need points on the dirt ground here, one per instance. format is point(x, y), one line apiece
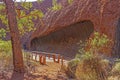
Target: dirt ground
point(50, 71)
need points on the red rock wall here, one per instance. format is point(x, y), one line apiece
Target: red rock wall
point(104, 14)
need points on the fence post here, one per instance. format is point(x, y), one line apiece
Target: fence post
point(62, 60)
point(48, 56)
point(35, 57)
point(31, 56)
point(42, 59)
point(58, 58)
point(54, 57)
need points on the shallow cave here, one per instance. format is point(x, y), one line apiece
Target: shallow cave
point(64, 41)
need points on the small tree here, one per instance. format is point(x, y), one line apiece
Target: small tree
point(90, 65)
point(19, 23)
point(16, 46)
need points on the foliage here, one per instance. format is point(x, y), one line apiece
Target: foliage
point(3, 16)
point(98, 40)
point(99, 43)
point(55, 6)
point(40, 0)
point(26, 5)
point(70, 1)
point(116, 69)
point(5, 54)
point(25, 22)
point(2, 33)
point(25, 17)
point(92, 67)
point(88, 63)
point(81, 47)
point(5, 46)
point(5, 61)
point(88, 67)
point(70, 69)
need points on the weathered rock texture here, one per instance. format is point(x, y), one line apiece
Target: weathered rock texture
point(69, 21)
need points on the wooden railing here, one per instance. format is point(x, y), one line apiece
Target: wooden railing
point(41, 57)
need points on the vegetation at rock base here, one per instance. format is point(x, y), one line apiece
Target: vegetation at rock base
point(70, 1)
point(92, 68)
point(99, 43)
point(91, 65)
point(55, 6)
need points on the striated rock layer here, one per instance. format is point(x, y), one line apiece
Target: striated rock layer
point(72, 22)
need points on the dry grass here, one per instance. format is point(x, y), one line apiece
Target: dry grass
point(92, 69)
point(33, 70)
point(88, 67)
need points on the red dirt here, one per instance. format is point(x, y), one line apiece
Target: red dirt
point(50, 71)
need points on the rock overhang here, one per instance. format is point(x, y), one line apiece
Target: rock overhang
point(101, 14)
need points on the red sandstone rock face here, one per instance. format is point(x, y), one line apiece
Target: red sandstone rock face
point(103, 14)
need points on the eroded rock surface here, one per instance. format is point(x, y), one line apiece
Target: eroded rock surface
point(104, 15)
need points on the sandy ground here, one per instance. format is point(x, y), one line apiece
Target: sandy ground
point(35, 71)
point(50, 71)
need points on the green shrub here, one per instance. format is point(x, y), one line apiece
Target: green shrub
point(55, 5)
point(88, 63)
point(70, 1)
point(88, 67)
point(5, 46)
point(5, 54)
point(71, 69)
point(2, 33)
point(99, 43)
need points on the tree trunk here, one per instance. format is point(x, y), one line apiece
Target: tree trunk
point(117, 40)
point(15, 39)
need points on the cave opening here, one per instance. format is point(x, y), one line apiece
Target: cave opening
point(64, 41)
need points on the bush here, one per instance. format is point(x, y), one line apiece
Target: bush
point(5, 55)
point(56, 6)
point(70, 1)
point(2, 33)
point(89, 64)
point(71, 69)
point(116, 69)
point(99, 43)
point(5, 46)
point(92, 68)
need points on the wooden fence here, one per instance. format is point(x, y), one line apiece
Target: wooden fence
point(43, 56)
